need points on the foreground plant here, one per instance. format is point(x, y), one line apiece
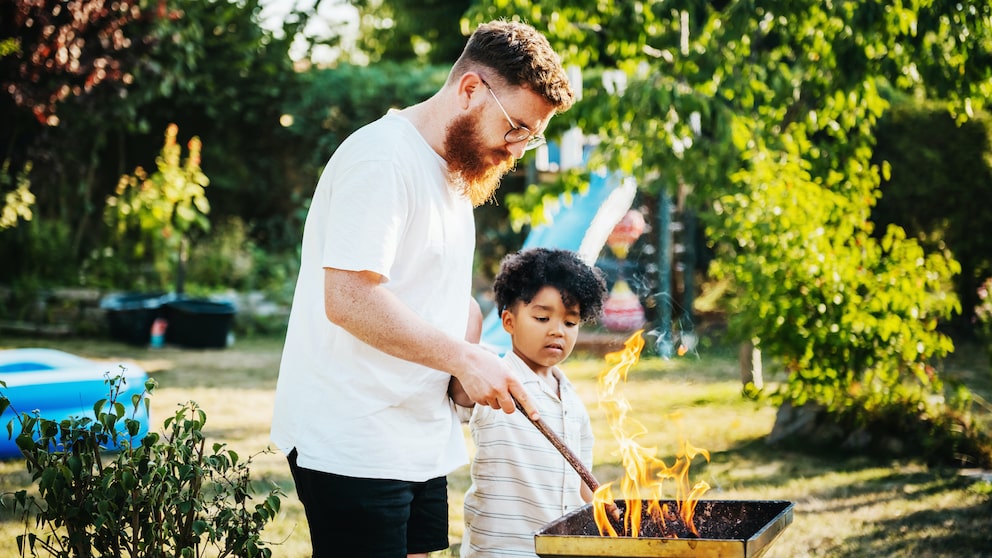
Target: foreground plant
point(158, 496)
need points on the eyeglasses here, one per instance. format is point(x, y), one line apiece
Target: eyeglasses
point(516, 134)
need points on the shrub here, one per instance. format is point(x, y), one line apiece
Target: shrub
point(161, 495)
point(983, 315)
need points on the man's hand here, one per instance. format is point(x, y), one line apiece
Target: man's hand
point(489, 381)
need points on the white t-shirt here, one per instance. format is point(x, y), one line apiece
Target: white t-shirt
point(382, 204)
point(520, 482)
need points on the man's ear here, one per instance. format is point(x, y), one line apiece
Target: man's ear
point(470, 88)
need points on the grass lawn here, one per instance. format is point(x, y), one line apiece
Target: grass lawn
point(844, 505)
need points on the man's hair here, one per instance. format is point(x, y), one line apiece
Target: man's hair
point(521, 56)
point(523, 274)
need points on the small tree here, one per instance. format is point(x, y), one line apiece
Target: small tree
point(162, 495)
point(153, 216)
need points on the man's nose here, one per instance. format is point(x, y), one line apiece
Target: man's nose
point(517, 149)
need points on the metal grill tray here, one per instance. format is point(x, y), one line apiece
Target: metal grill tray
point(727, 529)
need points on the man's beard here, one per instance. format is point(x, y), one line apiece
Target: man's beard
point(470, 172)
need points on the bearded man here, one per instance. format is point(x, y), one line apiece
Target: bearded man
point(383, 314)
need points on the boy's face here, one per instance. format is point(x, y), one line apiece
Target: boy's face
point(544, 330)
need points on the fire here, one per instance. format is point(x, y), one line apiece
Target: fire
point(644, 473)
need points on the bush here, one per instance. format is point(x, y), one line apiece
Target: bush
point(983, 315)
point(37, 251)
point(228, 258)
point(939, 167)
point(942, 433)
point(162, 495)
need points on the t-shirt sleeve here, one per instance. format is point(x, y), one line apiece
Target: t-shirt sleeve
point(367, 218)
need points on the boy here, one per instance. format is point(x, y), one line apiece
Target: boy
point(519, 480)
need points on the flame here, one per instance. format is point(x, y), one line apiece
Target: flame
point(644, 474)
point(600, 499)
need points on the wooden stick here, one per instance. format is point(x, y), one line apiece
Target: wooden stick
point(557, 442)
point(611, 509)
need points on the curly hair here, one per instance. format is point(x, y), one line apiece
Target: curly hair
point(523, 274)
point(521, 57)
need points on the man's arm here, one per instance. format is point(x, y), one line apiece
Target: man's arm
point(473, 334)
point(358, 302)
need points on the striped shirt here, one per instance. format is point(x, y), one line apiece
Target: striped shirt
point(520, 482)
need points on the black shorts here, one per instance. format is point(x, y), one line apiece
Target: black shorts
point(372, 518)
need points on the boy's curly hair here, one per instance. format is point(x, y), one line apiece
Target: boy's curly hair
point(523, 274)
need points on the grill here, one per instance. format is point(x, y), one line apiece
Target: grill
point(727, 529)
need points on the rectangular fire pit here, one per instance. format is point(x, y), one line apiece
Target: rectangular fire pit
point(727, 529)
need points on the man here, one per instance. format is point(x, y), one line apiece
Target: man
point(383, 303)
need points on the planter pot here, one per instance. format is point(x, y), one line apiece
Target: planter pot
point(198, 322)
point(130, 315)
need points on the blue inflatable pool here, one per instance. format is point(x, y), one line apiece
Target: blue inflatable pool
point(59, 385)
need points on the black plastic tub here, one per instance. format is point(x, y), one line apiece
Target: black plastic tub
point(199, 322)
point(130, 315)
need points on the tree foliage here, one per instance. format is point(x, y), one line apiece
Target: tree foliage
point(423, 31)
point(766, 111)
point(221, 77)
point(18, 200)
point(939, 170)
point(120, 73)
point(76, 58)
point(331, 103)
point(58, 51)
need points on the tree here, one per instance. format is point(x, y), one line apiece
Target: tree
point(88, 88)
point(57, 54)
point(411, 30)
point(223, 78)
point(766, 112)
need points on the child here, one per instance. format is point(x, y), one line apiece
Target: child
point(520, 482)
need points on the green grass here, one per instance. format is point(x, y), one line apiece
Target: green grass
point(844, 505)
